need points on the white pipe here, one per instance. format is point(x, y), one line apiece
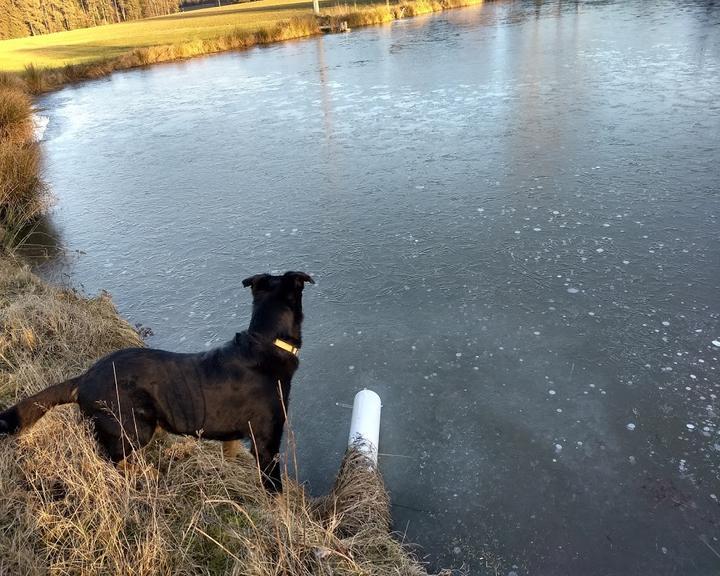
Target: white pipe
point(365, 424)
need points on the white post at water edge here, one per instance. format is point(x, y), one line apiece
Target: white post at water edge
point(365, 424)
point(316, 7)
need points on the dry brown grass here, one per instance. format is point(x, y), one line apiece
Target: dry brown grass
point(48, 334)
point(180, 508)
point(14, 106)
point(22, 191)
point(9, 80)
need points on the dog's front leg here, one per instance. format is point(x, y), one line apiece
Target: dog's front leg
point(266, 448)
point(271, 475)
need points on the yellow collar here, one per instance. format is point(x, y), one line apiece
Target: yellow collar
point(287, 347)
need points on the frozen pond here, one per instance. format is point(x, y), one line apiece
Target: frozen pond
point(512, 215)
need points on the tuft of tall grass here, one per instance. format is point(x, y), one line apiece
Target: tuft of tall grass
point(22, 191)
point(15, 124)
point(12, 81)
point(39, 80)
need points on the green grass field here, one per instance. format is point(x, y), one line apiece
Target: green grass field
point(114, 40)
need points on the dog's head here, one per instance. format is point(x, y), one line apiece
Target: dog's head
point(277, 301)
point(289, 285)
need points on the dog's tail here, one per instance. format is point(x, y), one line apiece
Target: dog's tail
point(26, 412)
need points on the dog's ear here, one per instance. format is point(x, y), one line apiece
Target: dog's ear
point(257, 282)
point(299, 278)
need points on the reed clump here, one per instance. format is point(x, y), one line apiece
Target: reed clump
point(14, 106)
point(22, 191)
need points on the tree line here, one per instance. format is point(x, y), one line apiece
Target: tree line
point(32, 17)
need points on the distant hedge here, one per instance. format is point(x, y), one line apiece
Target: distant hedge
point(32, 17)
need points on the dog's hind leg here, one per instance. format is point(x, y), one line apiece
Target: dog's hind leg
point(123, 422)
point(119, 441)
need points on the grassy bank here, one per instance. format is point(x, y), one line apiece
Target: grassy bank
point(180, 508)
point(57, 59)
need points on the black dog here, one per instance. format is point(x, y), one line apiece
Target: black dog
point(236, 391)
